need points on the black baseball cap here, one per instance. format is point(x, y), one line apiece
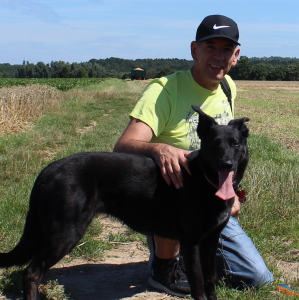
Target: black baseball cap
point(217, 26)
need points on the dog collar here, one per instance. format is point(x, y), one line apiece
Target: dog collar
point(211, 181)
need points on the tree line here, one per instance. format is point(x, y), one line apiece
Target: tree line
point(266, 69)
point(272, 68)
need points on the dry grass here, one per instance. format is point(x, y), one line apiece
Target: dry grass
point(21, 105)
point(272, 107)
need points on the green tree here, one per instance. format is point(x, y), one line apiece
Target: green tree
point(292, 72)
point(64, 72)
point(41, 70)
point(80, 73)
point(277, 73)
point(242, 70)
point(164, 72)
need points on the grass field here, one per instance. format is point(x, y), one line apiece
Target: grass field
point(92, 117)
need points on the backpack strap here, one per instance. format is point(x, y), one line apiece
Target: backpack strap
point(226, 89)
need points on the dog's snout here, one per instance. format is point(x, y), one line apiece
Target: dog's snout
point(227, 165)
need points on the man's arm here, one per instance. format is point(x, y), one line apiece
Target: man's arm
point(136, 139)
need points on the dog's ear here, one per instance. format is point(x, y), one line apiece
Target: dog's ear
point(240, 125)
point(205, 122)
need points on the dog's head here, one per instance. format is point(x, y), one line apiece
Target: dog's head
point(223, 147)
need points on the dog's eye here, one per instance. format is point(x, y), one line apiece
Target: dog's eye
point(235, 142)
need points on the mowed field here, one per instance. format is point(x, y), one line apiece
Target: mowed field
point(271, 105)
point(52, 123)
point(273, 109)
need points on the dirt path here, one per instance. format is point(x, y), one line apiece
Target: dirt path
point(122, 274)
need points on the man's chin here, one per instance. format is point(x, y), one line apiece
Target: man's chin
point(217, 75)
point(217, 78)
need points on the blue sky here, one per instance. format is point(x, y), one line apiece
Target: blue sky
point(79, 30)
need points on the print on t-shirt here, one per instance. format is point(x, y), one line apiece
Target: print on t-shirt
point(192, 120)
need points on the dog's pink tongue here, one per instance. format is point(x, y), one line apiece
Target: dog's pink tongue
point(225, 190)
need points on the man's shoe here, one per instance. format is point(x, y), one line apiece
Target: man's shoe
point(169, 276)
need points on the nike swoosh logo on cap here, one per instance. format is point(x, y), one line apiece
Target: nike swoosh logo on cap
point(219, 27)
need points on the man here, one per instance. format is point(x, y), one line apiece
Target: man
point(163, 126)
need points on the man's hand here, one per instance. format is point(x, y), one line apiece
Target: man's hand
point(136, 139)
point(236, 209)
point(171, 160)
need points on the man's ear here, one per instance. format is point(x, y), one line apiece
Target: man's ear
point(236, 56)
point(193, 50)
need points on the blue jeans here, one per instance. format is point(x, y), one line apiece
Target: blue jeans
point(238, 261)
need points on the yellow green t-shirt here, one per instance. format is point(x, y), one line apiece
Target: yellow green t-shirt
point(166, 107)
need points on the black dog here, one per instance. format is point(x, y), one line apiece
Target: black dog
point(71, 191)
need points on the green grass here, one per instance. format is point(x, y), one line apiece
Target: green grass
point(127, 237)
point(54, 136)
point(92, 117)
point(62, 84)
point(89, 119)
point(271, 214)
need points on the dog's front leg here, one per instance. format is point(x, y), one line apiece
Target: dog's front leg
point(208, 263)
point(191, 255)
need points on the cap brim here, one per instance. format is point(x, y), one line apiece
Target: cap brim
point(218, 36)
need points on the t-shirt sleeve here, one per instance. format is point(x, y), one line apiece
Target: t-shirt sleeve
point(153, 108)
point(233, 89)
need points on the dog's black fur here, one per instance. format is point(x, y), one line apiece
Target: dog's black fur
point(71, 191)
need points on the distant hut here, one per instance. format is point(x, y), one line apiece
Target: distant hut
point(138, 74)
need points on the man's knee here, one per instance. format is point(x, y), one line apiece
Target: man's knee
point(238, 261)
point(256, 276)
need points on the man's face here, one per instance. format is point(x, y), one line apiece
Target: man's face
point(213, 58)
